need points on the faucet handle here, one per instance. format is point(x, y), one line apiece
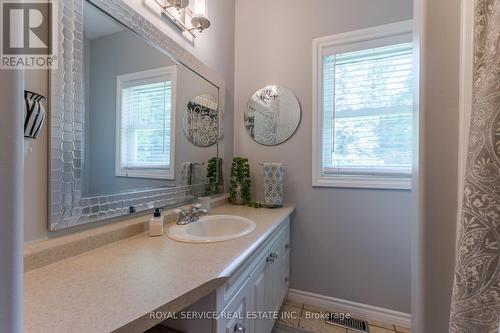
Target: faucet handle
point(196, 205)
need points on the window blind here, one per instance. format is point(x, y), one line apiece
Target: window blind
point(145, 125)
point(367, 110)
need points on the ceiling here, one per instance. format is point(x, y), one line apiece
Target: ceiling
point(97, 24)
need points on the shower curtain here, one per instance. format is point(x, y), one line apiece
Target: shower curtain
point(475, 306)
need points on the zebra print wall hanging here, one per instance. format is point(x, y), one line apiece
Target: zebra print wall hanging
point(34, 114)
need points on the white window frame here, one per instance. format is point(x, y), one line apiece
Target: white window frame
point(168, 174)
point(389, 34)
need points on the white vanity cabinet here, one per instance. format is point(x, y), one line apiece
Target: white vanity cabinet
point(249, 299)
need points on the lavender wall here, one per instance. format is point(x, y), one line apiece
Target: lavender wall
point(352, 244)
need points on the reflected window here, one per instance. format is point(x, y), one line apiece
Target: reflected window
point(145, 119)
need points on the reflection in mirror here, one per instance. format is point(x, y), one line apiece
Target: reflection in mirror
point(135, 97)
point(273, 115)
point(200, 120)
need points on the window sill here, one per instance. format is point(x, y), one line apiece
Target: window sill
point(145, 174)
point(368, 182)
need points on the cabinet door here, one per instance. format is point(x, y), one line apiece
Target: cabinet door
point(260, 297)
point(285, 279)
point(267, 290)
point(234, 318)
point(278, 270)
point(284, 268)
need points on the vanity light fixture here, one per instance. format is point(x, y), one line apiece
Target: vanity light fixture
point(177, 4)
point(199, 20)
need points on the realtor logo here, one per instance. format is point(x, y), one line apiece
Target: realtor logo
point(28, 32)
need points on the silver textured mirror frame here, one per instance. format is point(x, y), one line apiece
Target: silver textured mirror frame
point(67, 207)
point(272, 116)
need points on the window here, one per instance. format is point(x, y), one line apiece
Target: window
point(363, 108)
point(145, 124)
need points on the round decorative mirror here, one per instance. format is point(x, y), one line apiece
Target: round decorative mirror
point(200, 120)
point(273, 115)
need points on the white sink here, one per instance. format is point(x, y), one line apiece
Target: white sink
point(211, 229)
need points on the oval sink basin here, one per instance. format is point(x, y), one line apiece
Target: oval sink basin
point(211, 229)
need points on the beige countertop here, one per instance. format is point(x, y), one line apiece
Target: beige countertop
point(116, 286)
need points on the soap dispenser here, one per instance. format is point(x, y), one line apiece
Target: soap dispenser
point(156, 224)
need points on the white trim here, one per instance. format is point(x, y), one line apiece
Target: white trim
point(169, 173)
point(12, 204)
point(365, 181)
point(385, 34)
point(145, 173)
point(363, 35)
point(417, 231)
point(364, 311)
point(419, 271)
point(466, 82)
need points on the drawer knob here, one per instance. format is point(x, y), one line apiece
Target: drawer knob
point(239, 328)
point(271, 257)
point(287, 246)
point(286, 279)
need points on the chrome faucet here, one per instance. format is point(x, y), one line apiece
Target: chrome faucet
point(190, 216)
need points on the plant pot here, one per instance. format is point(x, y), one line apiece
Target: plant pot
point(237, 198)
point(240, 182)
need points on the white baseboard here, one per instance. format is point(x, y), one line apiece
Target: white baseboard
point(363, 311)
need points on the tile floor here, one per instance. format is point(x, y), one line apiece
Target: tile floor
point(308, 318)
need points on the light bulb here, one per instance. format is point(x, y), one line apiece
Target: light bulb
point(200, 8)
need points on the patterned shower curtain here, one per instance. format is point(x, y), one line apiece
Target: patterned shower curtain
point(475, 304)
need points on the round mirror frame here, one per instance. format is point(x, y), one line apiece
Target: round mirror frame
point(268, 104)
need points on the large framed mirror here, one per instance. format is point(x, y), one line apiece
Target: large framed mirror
point(118, 100)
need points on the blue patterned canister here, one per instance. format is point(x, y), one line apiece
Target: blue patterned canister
point(273, 184)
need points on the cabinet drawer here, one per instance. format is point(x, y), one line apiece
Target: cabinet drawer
point(226, 292)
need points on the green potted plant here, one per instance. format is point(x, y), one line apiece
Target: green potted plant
point(239, 185)
point(214, 180)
